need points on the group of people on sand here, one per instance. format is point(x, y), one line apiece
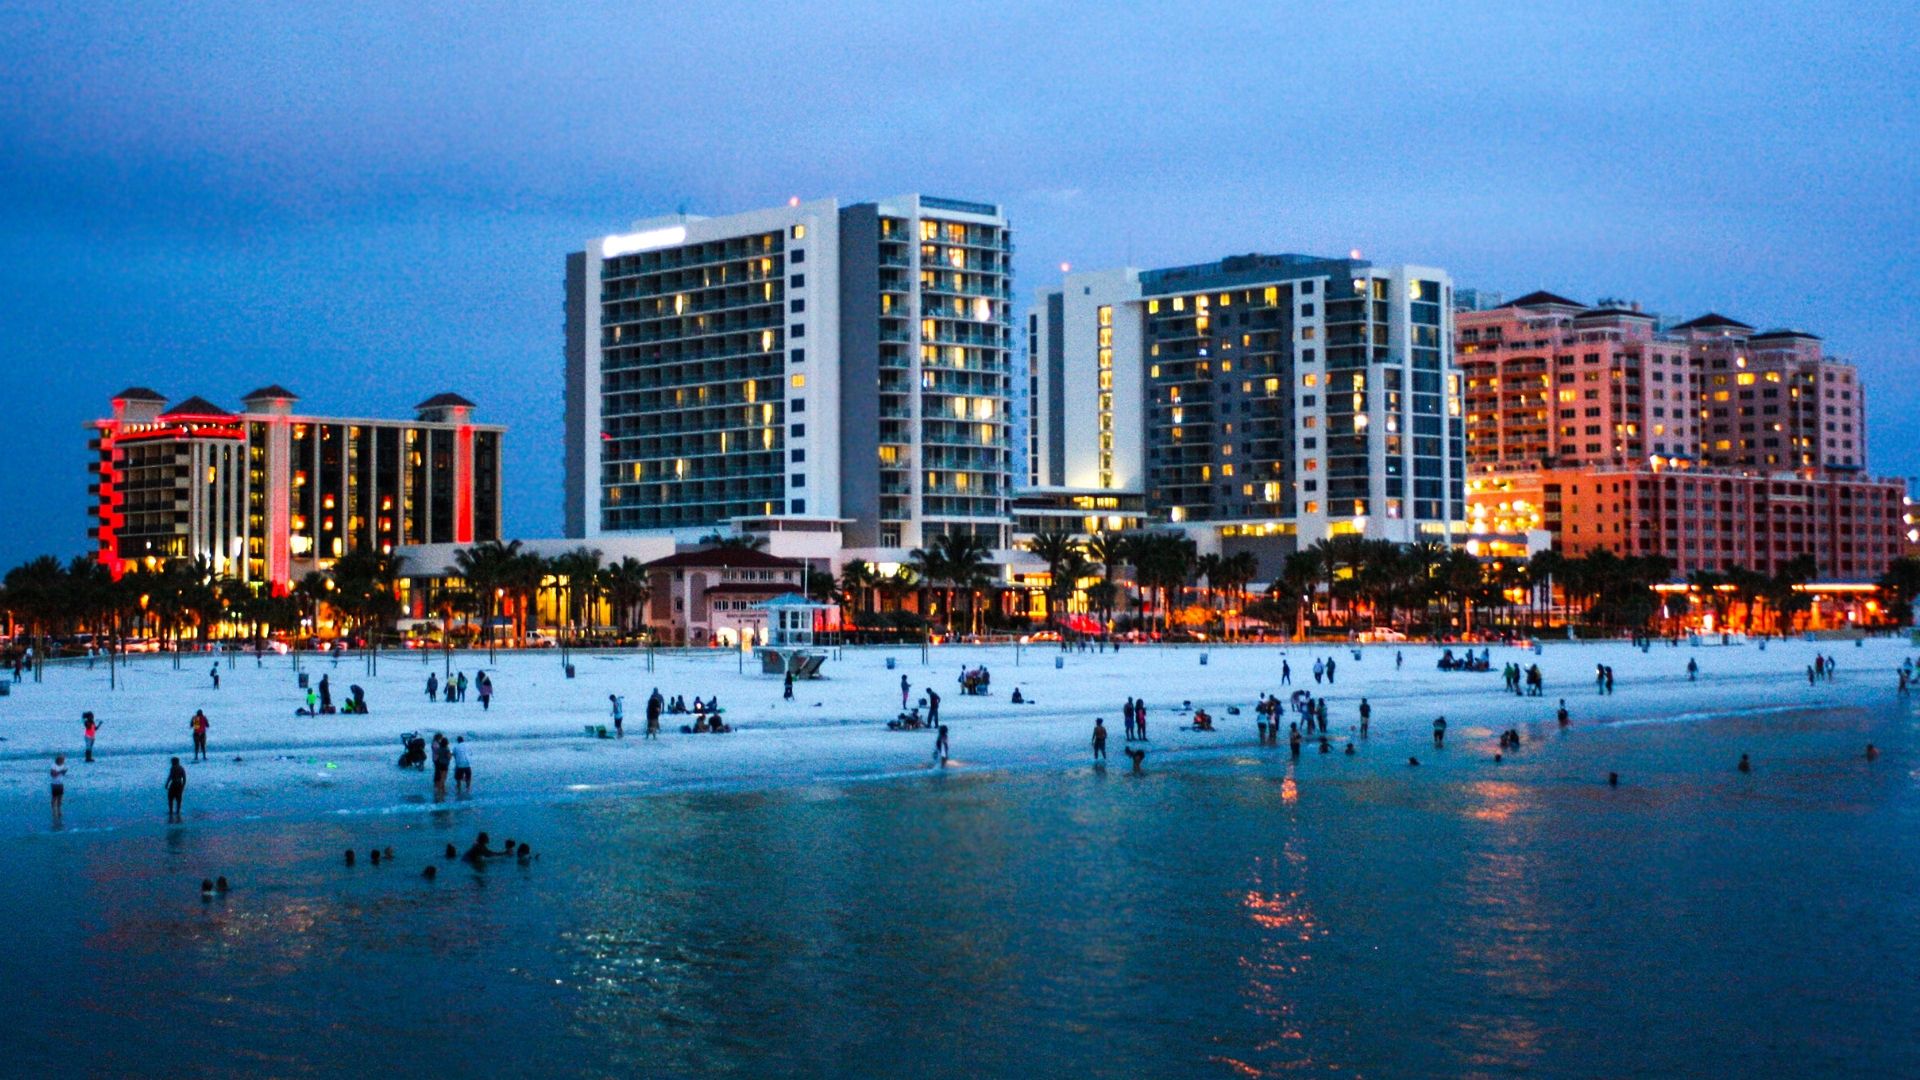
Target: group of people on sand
point(1534, 683)
point(707, 714)
point(1821, 670)
point(455, 688)
point(1134, 754)
point(1603, 678)
point(975, 680)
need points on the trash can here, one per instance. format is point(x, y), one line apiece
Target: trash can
point(6, 689)
point(1203, 659)
point(1059, 662)
point(889, 663)
point(569, 671)
point(1536, 648)
point(303, 680)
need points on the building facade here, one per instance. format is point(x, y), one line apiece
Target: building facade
point(268, 494)
point(1704, 519)
point(850, 366)
point(1272, 400)
point(1709, 443)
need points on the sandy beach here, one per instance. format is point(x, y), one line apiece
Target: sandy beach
point(267, 761)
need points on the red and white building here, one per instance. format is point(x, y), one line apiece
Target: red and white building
point(715, 595)
point(268, 494)
point(1710, 443)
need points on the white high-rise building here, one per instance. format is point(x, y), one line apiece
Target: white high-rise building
point(1264, 402)
point(812, 367)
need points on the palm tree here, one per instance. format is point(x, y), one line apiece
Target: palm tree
point(1163, 562)
point(486, 568)
point(1236, 572)
point(627, 588)
point(1058, 550)
point(1207, 567)
point(1900, 584)
point(953, 561)
point(858, 580)
point(580, 570)
point(33, 595)
point(1110, 550)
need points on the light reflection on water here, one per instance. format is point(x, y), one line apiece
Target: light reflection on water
point(1239, 915)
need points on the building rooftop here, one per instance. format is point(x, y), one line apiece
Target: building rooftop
point(1237, 270)
point(446, 401)
point(1610, 312)
point(1783, 333)
point(271, 392)
point(139, 393)
point(195, 406)
point(1543, 298)
point(1712, 320)
point(731, 557)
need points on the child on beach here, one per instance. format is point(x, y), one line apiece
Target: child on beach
point(58, 776)
point(91, 729)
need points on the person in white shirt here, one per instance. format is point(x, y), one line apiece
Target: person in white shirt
point(462, 765)
point(58, 775)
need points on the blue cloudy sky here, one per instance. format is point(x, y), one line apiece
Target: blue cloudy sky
point(371, 203)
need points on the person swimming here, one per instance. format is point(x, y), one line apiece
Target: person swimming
point(482, 850)
point(1746, 765)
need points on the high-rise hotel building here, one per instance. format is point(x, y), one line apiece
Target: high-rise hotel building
point(268, 494)
point(1274, 398)
point(806, 367)
point(1709, 443)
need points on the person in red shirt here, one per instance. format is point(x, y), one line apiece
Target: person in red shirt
point(199, 726)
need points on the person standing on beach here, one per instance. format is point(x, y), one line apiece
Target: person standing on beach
point(933, 708)
point(215, 673)
point(58, 776)
point(787, 694)
point(1286, 673)
point(433, 687)
point(176, 789)
point(442, 759)
point(1564, 721)
point(1693, 670)
point(940, 746)
point(1140, 719)
point(1609, 678)
point(486, 691)
point(462, 766)
point(905, 689)
point(1600, 678)
point(1126, 715)
point(654, 704)
point(1099, 740)
point(91, 729)
point(1331, 662)
point(619, 715)
point(1319, 669)
point(198, 726)
point(1366, 715)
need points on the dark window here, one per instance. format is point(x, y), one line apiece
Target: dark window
point(798, 330)
point(797, 281)
point(797, 405)
point(799, 456)
point(799, 479)
point(797, 256)
point(798, 431)
point(799, 356)
point(796, 305)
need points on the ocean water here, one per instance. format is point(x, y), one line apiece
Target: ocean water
point(1227, 914)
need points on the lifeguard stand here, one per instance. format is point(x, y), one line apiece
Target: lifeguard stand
point(793, 623)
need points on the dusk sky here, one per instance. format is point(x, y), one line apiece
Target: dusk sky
point(370, 207)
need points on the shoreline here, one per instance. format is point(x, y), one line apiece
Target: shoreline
point(537, 754)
